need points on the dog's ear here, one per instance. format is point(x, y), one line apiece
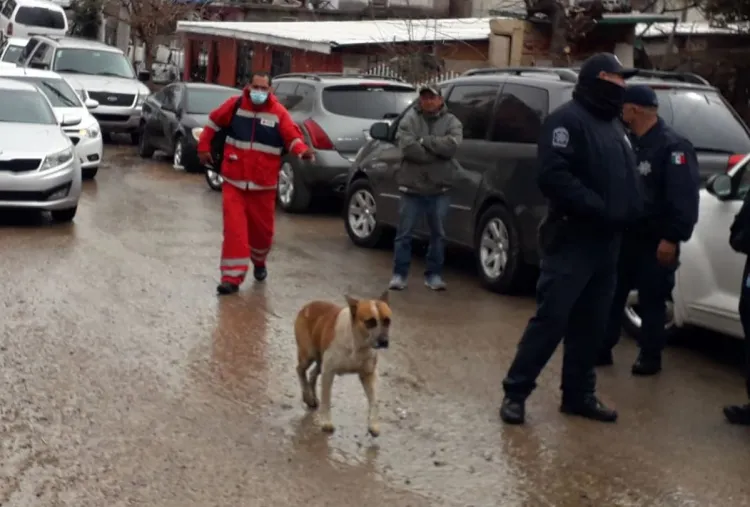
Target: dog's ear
point(352, 304)
point(384, 296)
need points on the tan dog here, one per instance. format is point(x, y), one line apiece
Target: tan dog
point(341, 341)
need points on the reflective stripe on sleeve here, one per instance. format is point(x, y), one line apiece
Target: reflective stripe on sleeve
point(294, 143)
point(212, 125)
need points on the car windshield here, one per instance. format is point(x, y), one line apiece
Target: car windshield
point(372, 101)
point(59, 93)
point(12, 53)
point(40, 16)
point(205, 100)
point(94, 62)
point(25, 106)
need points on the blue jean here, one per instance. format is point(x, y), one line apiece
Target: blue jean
point(411, 209)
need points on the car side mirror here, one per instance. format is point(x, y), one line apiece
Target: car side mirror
point(91, 104)
point(68, 120)
point(144, 76)
point(380, 131)
point(720, 185)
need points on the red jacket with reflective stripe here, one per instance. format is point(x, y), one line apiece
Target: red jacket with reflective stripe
point(256, 137)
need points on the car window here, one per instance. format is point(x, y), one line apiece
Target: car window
point(704, 119)
point(472, 104)
point(168, 100)
point(59, 92)
point(284, 92)
point(372, 101)
point(303, 98)
point(28, 49)
point(519, 114)
point(12, 53)
point(8, 8)
point(24, 106)
point(40, 16)
point(177, 96)
point(92, 61)
point(41, 57)
point(205, 100)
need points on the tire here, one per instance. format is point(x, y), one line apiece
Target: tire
point(293, 195)
point(213, 180)
point(90, 173)
point(177, 154)
point(631, 322)
point(145, 150)
point(359, 198)
point(64, 215)
point(497, 249)
point(135, 138)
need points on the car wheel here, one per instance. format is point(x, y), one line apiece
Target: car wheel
point(632, 323)
point(135, 138)
point(497, 250)
point(64, 215)
point(214, 180)
point(293, 194)
point(179, 150)
point(145, 150)
point(90, 173)
point(361, 215)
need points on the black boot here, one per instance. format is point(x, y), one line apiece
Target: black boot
point(738, 414)
point(646, 365)
point(260, 273)
point(590, 408)
point(225, 288)
point(605, 358)
point(512, 411)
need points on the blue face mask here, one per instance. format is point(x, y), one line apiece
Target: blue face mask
point(258, 97)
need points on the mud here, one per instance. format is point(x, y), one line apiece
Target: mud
point(125, 381)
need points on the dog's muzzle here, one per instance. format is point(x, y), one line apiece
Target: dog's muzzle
point(381, 342)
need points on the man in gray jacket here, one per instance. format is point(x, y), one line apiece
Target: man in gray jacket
point(428, 136)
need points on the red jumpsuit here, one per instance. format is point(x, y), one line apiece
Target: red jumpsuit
point(252, 159)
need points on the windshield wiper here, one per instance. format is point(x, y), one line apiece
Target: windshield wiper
point(112, 74)
point(75, 71)
point(60, 95)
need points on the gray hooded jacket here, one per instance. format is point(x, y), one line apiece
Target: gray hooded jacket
point(428, 143)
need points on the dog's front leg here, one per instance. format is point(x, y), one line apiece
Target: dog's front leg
point(326, 383)
point(369, 381)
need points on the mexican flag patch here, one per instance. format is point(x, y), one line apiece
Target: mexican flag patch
point(678, 158)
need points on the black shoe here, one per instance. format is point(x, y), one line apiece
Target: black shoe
point(738, 414)
point(644, 366)
point(260, 273)
point(605, 359)
point(512, 411)
point(590, 408)
point(225, 288)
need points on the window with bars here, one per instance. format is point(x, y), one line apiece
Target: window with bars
point(244, 72)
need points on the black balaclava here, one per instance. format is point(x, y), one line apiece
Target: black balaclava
point(601, 97)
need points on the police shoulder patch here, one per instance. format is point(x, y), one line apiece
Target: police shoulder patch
point(560, 137)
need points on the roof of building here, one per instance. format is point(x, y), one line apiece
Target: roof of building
point(323, 36)
point(695, 28)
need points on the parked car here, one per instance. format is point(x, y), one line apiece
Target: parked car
point(496, 205)
point(102, 70)
point(86, 135)
point(11, 48)
point(708, 282)
point(38, 166)
point(335, 112)
point(174, 117)
point(22, 17)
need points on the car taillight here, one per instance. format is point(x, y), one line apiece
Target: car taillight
point(318, 138)
point(9, 29)
point(734, 160)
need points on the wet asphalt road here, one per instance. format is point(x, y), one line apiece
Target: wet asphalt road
point(125, 381)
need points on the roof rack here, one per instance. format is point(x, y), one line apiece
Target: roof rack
point(685, 77)
point(564, 74)
point(317, 76)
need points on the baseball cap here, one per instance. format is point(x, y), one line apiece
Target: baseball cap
point(641, 95)
point(428, 89)
point(604, 62)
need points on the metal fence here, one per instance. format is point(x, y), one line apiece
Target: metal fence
point(425, 78)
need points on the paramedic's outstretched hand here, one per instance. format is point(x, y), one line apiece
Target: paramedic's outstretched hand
point(307, 155)
point(205, 158)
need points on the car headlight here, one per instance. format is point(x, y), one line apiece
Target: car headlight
point(141, 99)
point(91, 132)
point(57, 159)
point(197, 133)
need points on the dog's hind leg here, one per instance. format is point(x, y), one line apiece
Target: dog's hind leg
point(369, 385)
point(314, 374)
point(308, 391)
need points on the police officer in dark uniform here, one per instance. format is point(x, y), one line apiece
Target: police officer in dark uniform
point(668, 168)
point(586, 171)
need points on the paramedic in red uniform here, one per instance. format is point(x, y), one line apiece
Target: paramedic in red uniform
point(260, 130)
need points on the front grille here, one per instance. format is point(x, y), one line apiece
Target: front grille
point(111, 117)
point(18, 165)
point(43, 195)
point(113, 99)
